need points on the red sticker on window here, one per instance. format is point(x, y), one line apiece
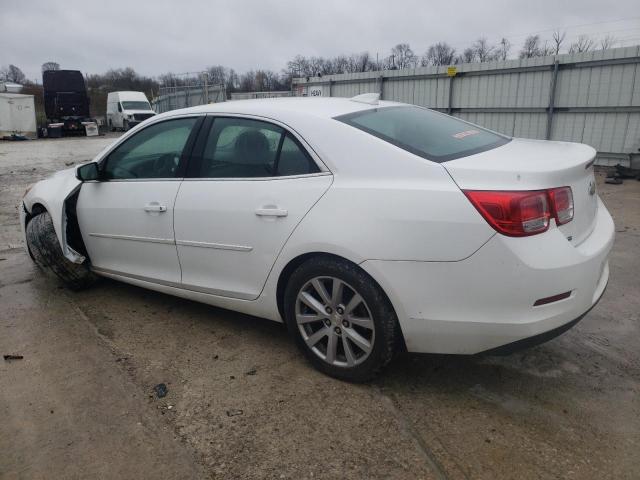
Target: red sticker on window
point(466, 133)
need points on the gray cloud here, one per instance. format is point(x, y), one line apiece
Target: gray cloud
point(158, 36)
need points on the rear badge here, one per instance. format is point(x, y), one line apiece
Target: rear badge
point(592, 187)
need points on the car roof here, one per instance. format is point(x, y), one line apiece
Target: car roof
point(283, 107)
point(128, 93)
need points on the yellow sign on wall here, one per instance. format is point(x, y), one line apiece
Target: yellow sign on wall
point(451, 71)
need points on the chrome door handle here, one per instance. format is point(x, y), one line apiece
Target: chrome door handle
point(271, 212)
point(155, 207)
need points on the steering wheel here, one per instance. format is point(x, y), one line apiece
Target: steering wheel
point(165, 165)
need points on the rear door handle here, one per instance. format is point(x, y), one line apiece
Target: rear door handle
point(271, 212)
point(155, 207)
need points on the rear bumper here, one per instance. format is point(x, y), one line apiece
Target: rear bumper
point(529, 342)
point(486, 301)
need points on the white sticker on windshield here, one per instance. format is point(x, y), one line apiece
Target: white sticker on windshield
point(466, 133)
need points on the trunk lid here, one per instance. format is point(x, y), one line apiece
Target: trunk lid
point(524, 164)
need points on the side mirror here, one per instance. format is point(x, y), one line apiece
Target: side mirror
point(88, 172)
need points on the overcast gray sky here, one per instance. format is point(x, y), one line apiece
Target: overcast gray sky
point(159, 36)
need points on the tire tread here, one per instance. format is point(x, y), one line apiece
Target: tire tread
point(47, 254)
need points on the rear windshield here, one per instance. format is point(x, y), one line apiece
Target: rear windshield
point(426, 133)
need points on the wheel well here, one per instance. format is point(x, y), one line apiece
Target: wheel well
point(73, 235)
point(288, 270)
point(37, 209)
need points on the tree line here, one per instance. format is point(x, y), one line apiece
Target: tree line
point(400, 56)
point(403, 56)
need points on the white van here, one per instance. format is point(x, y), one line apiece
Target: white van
point(126, 109)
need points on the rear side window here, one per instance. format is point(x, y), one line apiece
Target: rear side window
point(293, 159)
point(426, 133)
point(244, 148)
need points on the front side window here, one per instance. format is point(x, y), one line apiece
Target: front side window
point(426, 133)
point(151, 153)
point(244, 148)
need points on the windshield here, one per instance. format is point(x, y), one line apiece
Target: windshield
point(426, 133)
point(136, 106)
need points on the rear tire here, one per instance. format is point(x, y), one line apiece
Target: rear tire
point(355, 328)
point(47, 254)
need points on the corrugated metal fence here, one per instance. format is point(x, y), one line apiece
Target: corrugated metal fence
point(172, 98)
point(250, 95)
point(591, 97)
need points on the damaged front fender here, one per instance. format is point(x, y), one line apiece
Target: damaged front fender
point(52, 194)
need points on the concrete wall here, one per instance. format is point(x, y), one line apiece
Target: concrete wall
point(592, 98)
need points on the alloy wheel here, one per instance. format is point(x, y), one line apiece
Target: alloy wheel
point(335, 321)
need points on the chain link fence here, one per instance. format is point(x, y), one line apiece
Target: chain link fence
point(183, 96)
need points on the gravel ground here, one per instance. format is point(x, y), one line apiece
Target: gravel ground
point(242, 403)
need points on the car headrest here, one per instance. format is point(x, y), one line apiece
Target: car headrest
point(252, 147)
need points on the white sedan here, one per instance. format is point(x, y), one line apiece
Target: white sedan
point(366, 226)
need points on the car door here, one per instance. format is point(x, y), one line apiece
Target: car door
point(249, 184)
point(118, 122)
point(126, 218)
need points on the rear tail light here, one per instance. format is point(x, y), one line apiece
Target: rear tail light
point(562, 201)
point(523, 213)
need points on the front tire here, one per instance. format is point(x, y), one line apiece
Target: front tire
point(340, 319)
point(47, 254)
point(125, 126)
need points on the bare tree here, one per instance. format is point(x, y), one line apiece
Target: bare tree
point(484, 51)
point(608, 42)
point(531, 47)
point(440, 53)
point(316, 66)
point(547, 49)
point(340, 64)
point(502, 52)
point(50, 66)
point(362, 61)
point(558, 38)
point(12, 74)
point(402, 56)
point(232, 80)
point(217, 75)
point(582, 44)
point(298, 66)
point(468, 55)
point(247, 81)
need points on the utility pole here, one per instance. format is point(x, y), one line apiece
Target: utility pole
point(205, 77)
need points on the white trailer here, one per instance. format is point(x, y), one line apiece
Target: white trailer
point(17, 115)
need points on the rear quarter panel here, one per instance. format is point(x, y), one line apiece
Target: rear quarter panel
point(385, 203)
